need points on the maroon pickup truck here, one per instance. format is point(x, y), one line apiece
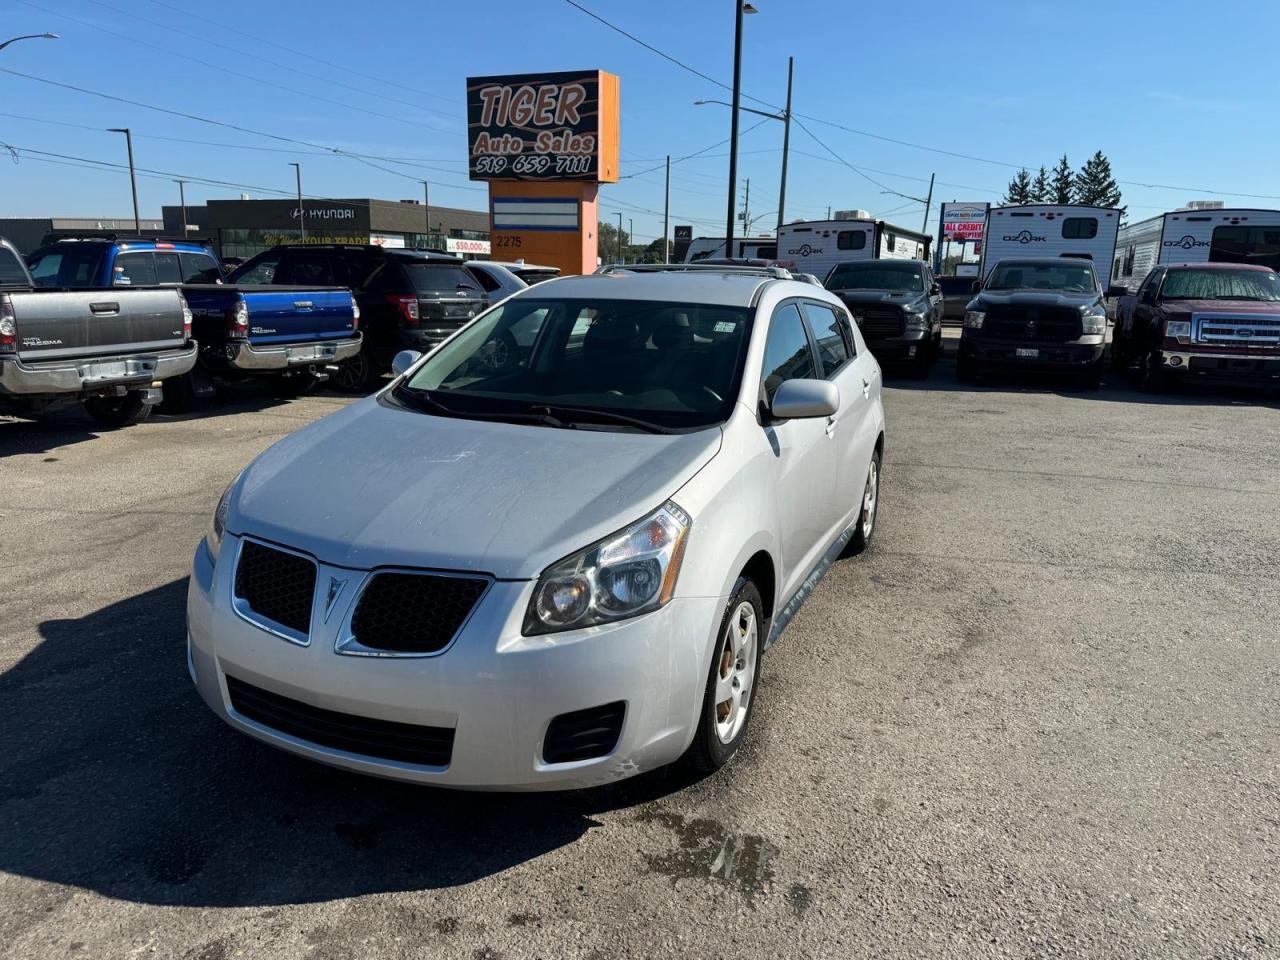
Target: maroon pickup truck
point(1216, 321)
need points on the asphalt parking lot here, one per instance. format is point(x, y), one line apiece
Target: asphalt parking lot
point(1038, 719)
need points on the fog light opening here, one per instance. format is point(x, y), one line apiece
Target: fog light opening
point(1175, 361)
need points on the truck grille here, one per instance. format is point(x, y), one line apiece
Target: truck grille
point(1036, 324)
point(414, 612)
point(879, 321)
point(1238, 331)
point(384, 739)
point(584, 734)
point(276, 586)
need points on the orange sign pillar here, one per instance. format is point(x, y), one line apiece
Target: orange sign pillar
point(572, 249)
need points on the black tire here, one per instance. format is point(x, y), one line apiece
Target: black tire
point(865, 528)
point(709, 751)
point(179, 394)
point(295, 384)
point(360, 374)
point(967, 369)
point(111, 413)
point(919, 369)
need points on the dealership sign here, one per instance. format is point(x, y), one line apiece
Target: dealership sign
point(964, 222)
point(460, 245)
point(546, 126)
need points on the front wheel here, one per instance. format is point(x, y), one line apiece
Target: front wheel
point(731, 682)
point(113, 412)
point(1151, 378)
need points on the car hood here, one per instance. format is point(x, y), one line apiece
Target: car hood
point(1037, 298)
point(377, 485)
point(852, 297)
point(1233, 307)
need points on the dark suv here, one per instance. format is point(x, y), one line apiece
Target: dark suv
point(408, 299)
point(897, 305)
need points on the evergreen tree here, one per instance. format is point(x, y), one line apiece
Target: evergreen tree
point(1040, 189)
point(1064, 183)
point(1095, 187)
point(1019, 189)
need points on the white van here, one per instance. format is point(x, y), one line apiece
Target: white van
point(1196, 236)
point(1051, 230)
point(761, 248)
point(816, 246)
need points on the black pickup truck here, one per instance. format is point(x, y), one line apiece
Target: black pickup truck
point(1043, 314)
point(109, 349)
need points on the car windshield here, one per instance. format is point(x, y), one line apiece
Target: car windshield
point(1220, 285)
point(593, 363)
point(440, 279)
point(896, 277)
point(1067, 277)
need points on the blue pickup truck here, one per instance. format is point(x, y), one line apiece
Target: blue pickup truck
point(293, 334)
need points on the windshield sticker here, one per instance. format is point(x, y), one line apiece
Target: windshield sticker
point(725, 326)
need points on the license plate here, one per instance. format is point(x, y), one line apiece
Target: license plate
point(303, 353)
point(105, 371)
point(1028, 352)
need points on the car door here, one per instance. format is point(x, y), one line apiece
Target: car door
point(853, 428)
point(1141, 323)
point(804, 450)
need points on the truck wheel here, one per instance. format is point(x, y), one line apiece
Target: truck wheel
point(732, 681)
point(1091, 379)
point(357, 375)
point(113, 412)
point(1119, 358)
point(295, 384)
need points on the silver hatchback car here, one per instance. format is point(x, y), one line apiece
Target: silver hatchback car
point(552, 551)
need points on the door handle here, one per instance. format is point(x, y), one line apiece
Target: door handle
point(831, 426)
point(866, 388)
point(103, 309)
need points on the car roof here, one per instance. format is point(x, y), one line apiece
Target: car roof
point(1261, 268)
point(514, 265)
point(710, 287)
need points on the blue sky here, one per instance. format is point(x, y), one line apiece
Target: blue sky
point(1011, 82)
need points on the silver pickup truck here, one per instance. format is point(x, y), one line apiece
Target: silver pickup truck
point(108, 349)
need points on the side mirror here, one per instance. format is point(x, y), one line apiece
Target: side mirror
point(1117, 291)
point(805, 399)
point(403, 360)
point(935, 289)
point(975, 287)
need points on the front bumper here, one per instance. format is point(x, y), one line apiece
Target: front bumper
point(92, 375)
point(496, 689)
point(1237, 367)
point(247, 358)
point(904, 346)
point(1072, 355)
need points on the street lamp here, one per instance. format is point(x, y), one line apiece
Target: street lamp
point(740, 7)
point(133, 177)
point(30, 36)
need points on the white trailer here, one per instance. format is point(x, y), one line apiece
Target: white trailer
point(700, 248)
point(1196, 236)
point(816, 246)
point(1051, 230)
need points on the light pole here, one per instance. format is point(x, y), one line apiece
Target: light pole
point(302, 214)
point(182, 199)
point(426, 203)
point(29, 36)
point(666, 216)
point(631, 238)
point(740, 7)
point(133, 177)
point(620, 238)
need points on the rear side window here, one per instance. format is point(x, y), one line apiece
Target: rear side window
point(851, 240)
point(305, 268)
point(786, 352)
point(441, 279)
point(486, 282)
point(199, 268)
point(11, 272)
point(356, 268)
point(833, 351)
point(1079, 228)
point(134, 270)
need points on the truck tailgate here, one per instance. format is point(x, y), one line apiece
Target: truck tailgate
point(285, 314)
point(66, 324)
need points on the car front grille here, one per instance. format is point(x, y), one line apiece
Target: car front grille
point(276, 586)
point(383, 739)
point(414, 613)
point(1037, 324)
point(584, 734)
point(1238, 331)
point(879, 321)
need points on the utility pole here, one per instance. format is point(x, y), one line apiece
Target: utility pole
point(733, 127)
point(666, 216)
point(786, 146)
point(302, 214)
point(620, 238)
point(133, 177)
point(927, 204)
point(426, 206)
point(746, 210)
point(631, 238)
point(828, 211)
point(182, 199)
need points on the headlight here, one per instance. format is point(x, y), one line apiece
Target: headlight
point(916, 320)
point(1094, 321)
point(626, 574)
point(218, 522)
point(1179, 330)
point(973, 319)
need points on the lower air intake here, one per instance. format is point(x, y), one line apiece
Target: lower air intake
point(584, 734)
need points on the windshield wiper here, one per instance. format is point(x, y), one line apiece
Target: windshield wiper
point(1229, 297)
point(423, 401)
point(608, 416)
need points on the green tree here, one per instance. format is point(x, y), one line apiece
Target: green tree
point(1040, 190)
point(1064, 183)
point(653, 252)
point(1095, 186)
point(1019, 189)
point(607, 249)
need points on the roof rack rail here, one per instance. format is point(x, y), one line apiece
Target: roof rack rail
point(775, 273)
point(56, 237)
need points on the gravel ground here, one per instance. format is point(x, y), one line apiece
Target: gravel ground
point(1038, 719)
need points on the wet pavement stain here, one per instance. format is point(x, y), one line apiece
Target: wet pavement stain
point(800, 897)
point(707, 850)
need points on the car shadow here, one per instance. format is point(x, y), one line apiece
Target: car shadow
point(116, 778)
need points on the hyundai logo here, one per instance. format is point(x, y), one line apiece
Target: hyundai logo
point(1186, 243)
point(1026, 236)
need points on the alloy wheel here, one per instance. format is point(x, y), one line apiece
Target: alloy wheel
point(735, 672)
point(870, 498)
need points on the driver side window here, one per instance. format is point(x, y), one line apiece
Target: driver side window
point(1149, 288)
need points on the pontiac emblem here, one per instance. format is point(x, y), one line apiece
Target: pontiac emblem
point(335, 589)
